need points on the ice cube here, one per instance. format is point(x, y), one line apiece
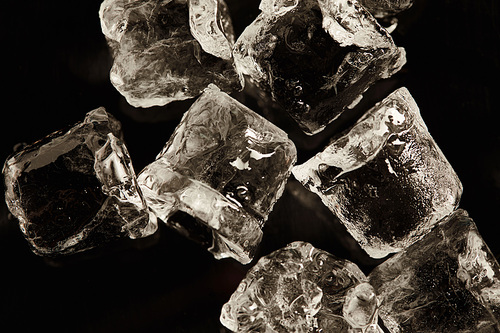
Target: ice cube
point(299, 288)
point(447, 282)
point(383, 8)
point(168, 50)
point(316, 57)
point(225, 166)
point(74, 190)
point(385, 178)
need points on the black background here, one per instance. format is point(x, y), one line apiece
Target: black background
point(55, 69)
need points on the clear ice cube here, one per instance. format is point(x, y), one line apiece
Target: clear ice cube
point(384, 8)
point(224, 167)
point(447, 282)
point(385, 178)
point(74, 190)
point(168, 50)
point(316, 57)
point(299, 288)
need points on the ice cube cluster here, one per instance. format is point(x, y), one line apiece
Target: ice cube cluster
point(225, 166)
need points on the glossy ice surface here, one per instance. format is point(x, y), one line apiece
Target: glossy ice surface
point(225, 167)
point(75, 190)
point(385, 178)
point(168, 50)
point(447, 282)
point(316, 58)
point(299, 288)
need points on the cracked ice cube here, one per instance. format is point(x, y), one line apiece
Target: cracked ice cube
point(383, 8)
point(385, 178)
point(168, 50)
point(218, 177)
point(316, 57)
point(302, 289)
point(447, 282)
point(74, 190)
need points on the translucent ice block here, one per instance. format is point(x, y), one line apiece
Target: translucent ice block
point(316, 57)
point(385, 178)
point(447, 282)
point(302, 289)
point(383, 8)
point(74, 190)
point(168, 50)
point(225, 166)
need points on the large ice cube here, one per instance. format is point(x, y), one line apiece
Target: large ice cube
point(385, 178)
point(225, 166)
point(447, 282)
point(302, 289)
point(74, 190)
point(168, 50)
point(316, 57)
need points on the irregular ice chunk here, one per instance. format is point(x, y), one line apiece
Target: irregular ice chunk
point(447, 282)
point(74, 190)
point(386, 179)
point(316, 57)
point(383, 8)
point(156, 58)
point(302, 289)
point(225, 166)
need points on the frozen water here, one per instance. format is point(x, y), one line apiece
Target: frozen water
point(383, 8)
point(447, 282)
point(316, 57)
point(385, 178)
point(168, 50)
point(225, 166)
point(302, 289)
point(74, 190)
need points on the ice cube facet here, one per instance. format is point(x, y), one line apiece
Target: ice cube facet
point(316, 57)
point(383, 8)
point(386, 179)
point(168, 50)
point(74, 190)
point(447, 282)
point(225, 166)
point(302, 289)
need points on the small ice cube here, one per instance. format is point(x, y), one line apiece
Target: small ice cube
point(447, 282)
point(316, 57)
point(386, 179)
point(225, 166)
point(74, 190)
point(299, 288)
point(168, 50)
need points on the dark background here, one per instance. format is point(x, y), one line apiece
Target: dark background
point(55, 69)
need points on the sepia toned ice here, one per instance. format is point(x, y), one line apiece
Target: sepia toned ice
point(316, 57)
point(385, 178)
point(75, 190)
point(218, 177)
point(383, 8)
point(447, 282)
point(168, 50)
point(299, 288)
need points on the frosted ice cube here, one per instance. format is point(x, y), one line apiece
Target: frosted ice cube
point(447, 282)
point(74, 190)
point(302, 289)
point(383, 8)
point(225, 166)
point(168, 50)
point(385, 178)
point(316, 57)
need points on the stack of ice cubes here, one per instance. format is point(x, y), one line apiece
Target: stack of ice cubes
point(224, 167)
